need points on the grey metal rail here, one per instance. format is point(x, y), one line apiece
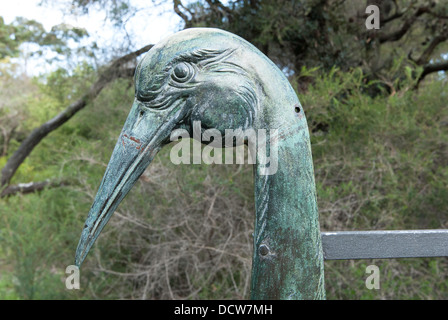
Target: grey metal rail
point(385, 244)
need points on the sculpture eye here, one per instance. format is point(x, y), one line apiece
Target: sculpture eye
point(183, 72)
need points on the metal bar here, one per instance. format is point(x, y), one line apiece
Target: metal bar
point(385, 244)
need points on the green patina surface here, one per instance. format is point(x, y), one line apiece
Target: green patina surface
point(221, 80)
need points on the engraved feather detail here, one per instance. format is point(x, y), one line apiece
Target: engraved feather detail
point(149, 87)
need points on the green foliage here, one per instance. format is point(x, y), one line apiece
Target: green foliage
point(34, 238)
point(22, 30)
point(66, 86)
point(38, 231)
point(331, 33)
point(380, 163)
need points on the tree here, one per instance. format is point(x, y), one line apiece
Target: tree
point(328, 33)
point(116, 70)
point(22, 30)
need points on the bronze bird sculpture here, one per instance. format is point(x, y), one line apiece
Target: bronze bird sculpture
point(217, 79)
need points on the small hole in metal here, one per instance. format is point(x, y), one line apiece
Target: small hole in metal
point(297, 109)
point(264, 250)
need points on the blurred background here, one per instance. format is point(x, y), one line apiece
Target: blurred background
point(376, 104)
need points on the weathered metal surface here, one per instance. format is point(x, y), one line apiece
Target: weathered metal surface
point(385, 244)
point(221, 80)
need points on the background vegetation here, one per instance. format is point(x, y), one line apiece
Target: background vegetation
point(376, 103)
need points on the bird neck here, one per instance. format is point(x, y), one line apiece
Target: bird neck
point(288, 258)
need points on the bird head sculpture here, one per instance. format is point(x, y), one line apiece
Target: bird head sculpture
point(219, 80)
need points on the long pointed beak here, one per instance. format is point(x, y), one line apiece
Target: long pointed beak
point(143, 135)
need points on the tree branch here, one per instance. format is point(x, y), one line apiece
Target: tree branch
point(397, 35)
point(216, 4)
point(117, 69)
point(30, 187)
point(176, 5)
point(424, 58)
point(396, 15)
point(431, 68)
